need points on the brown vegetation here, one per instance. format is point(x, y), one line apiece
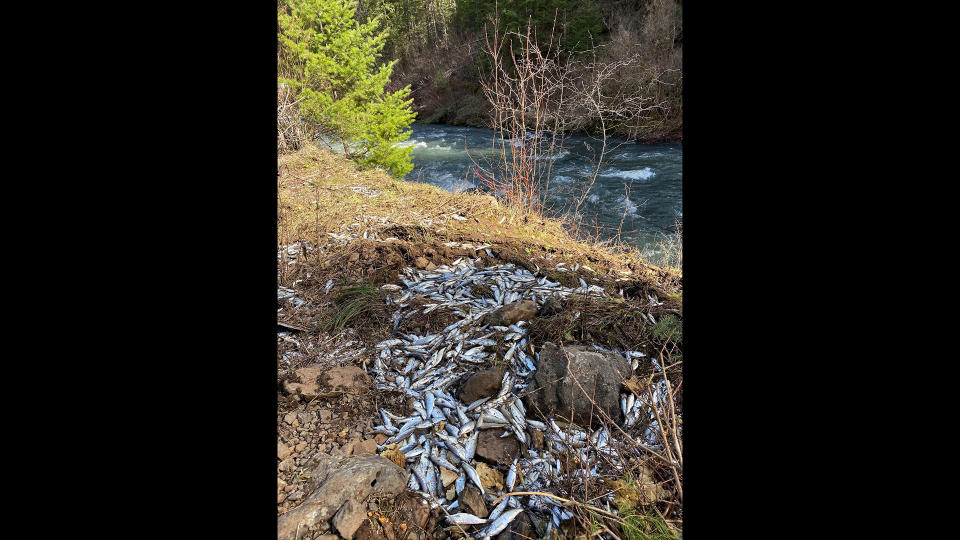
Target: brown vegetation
point(327, 207)
point(638, 57)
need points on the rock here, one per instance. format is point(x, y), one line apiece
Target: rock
point(307, 386)
point(492, 447)
point(421, 262)
point(521, 528)
point(511, 313)
point(348, 519)
point(420, 514)
point(554, 390)
point(381, 438)
point(354, 257)
point(536, 439)
point(551, 306)
point(296, 495)
point(287, 464)
point(365, 448)
point(346, 379)
point(451, 493)
point(280, 484)
point(282, 451)
point(299, 448)
point(346, 449)
point(325, 415)
point(338, 481)
point(447, 476)
point(482, 384)
point(326, 537)
point(290, 418)
point(430, 266)
point(471, 501)
point(490, 478)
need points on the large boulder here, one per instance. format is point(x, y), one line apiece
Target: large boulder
point(339, 481)
point(555, 388)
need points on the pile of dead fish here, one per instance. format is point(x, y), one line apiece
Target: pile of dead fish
point(442, 433)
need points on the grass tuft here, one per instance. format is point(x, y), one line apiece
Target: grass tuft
point(644, 526)
point(668, 328)
point(351, 303)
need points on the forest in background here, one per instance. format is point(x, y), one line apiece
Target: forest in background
point(627, 51)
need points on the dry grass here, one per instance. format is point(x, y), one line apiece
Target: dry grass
point(646, 484)
point(364, 227)
point(320, 192)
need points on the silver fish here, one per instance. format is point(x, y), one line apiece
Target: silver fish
point(429, 402)
point(464, 518)
point(495, 513)
point(511, 479)
point(441, 461)
point(471, 446)
point(461, 482)
point(472, 475)
point(501, 522)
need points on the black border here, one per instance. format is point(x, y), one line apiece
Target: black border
point(204, 155)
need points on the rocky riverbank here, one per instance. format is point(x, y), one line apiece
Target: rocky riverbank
point(438, 351)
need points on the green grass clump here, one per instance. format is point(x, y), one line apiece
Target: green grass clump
point(648, 526)
point(354, 301)
point(668, 328)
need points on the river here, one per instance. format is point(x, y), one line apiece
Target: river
point(638, 190)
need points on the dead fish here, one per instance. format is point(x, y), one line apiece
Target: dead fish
point(472, 475)
point(429, 402)
point(461, 482)
point(471, 446)
point(476, 404)
point(501, 522)
point(442, 461)
point(464, 518)
point(454, 446)
point(511, 480)
point(496, 512)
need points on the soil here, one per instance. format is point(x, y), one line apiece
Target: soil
point(337, 423)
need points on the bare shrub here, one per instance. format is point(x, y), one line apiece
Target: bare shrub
point(292, 132)
point(525, 89)
point(537, 95)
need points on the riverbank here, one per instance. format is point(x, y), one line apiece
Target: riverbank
point(633, 198)
point(470, 110)
point(350, 246)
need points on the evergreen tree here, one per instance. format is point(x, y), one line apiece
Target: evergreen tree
point(329, 59)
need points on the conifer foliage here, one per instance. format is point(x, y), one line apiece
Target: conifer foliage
point(330, 61)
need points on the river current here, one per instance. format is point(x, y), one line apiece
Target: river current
point(638, 190)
